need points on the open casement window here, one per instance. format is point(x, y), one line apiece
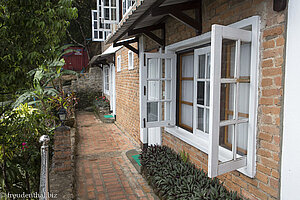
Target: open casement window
point(229, 104)
point(109, 10)
point(158, 83)
point(100, 31)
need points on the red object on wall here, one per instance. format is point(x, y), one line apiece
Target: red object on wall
point(76, 60)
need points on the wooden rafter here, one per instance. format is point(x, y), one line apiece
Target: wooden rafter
point(127, 45)
point(175, 11)
point(148, 32)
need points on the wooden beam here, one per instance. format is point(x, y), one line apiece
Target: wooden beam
point(147, 28)
point(127, 45)
point(175, 7)
point(175, 11)
point(155, 38)
point(187, 20)
point(147, 12)
point(279, 5)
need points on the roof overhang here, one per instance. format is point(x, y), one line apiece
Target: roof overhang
point(101, 58)
point(143, 16)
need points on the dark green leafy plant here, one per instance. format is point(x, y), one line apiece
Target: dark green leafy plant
point(173, 178)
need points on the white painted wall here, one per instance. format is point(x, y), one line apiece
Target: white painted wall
point(290, 168)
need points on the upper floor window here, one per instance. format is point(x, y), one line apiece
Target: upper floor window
point(126, 5)
point(109, 10)
point(100, 30)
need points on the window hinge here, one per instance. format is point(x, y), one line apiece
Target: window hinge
point(145, 91)
point(144, 120)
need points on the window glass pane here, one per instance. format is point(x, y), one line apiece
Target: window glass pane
point(153, 69)
point(107, 26)
point(201, 73)
point(225, 140)
point(113, 3)
point(206, 120)
point(245, 60)
point(228, 59)
point(100, 35)
point(243, 100)
point(106, 13)
point(96, 34)
point(152, 111)
point(187, 115)
point(187, 91)
point(200, 119)
point(227, 101)
point(187, 66)
point(130, 59)
point(165, 114)
point(95, 15)
point(166, 68)
point(101, 25)
point(166, 89)
point(106, 2)
point(200, 92)
point(207, 84)
point(208, 66)
point(242, 138)
point(95, 25)
point(113, 14)
point(153, 90)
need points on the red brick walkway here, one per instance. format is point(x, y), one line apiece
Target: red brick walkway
point(103, 170)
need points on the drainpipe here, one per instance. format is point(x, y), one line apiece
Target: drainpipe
point(44, 178)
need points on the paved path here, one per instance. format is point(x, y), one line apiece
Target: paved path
point(103, 170)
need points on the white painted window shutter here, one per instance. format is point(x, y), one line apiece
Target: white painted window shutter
point(158, 86)
point(219, 34)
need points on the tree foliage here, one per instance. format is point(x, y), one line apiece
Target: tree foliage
point(29, 31)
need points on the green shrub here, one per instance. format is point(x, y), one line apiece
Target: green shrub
point(173, 178)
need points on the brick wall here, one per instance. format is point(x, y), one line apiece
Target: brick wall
point(266, 183)
point(127, 95)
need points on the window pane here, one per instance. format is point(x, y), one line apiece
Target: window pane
point(101, 25)
point(153, 89)
point(95, 25)
point(208, 66)
point(188, 66)
point(201, 73)
point(243, 100)
point(107, 26)
point(187, 115)
point(187, 91)
point(106, 2)
point(225, 140)
point(227, 101)
point(130, 59)
point(165, 111)
point(95, 15)
point(228, 59)
point(113, 14)
point(206, 120)
point(200, 119)
point(242, 138)
point(166, 89)
point(113, 3)
point(200, 92)
point(245, 59)
point(166, 68)
point(153, 71)
point(152, 111)
point(96, 34)
point(100, 35)
point(207, 84)
point(106, 13)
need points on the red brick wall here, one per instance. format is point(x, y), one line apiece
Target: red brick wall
point(266, 183)
point(127, 95)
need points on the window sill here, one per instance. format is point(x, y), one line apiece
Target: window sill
point(202, 145)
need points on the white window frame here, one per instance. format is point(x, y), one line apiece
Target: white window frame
point(203, 143)
point(130, 60)
point(119, 63)
point(104, 31)
point(127, 8)
point(110, 7)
